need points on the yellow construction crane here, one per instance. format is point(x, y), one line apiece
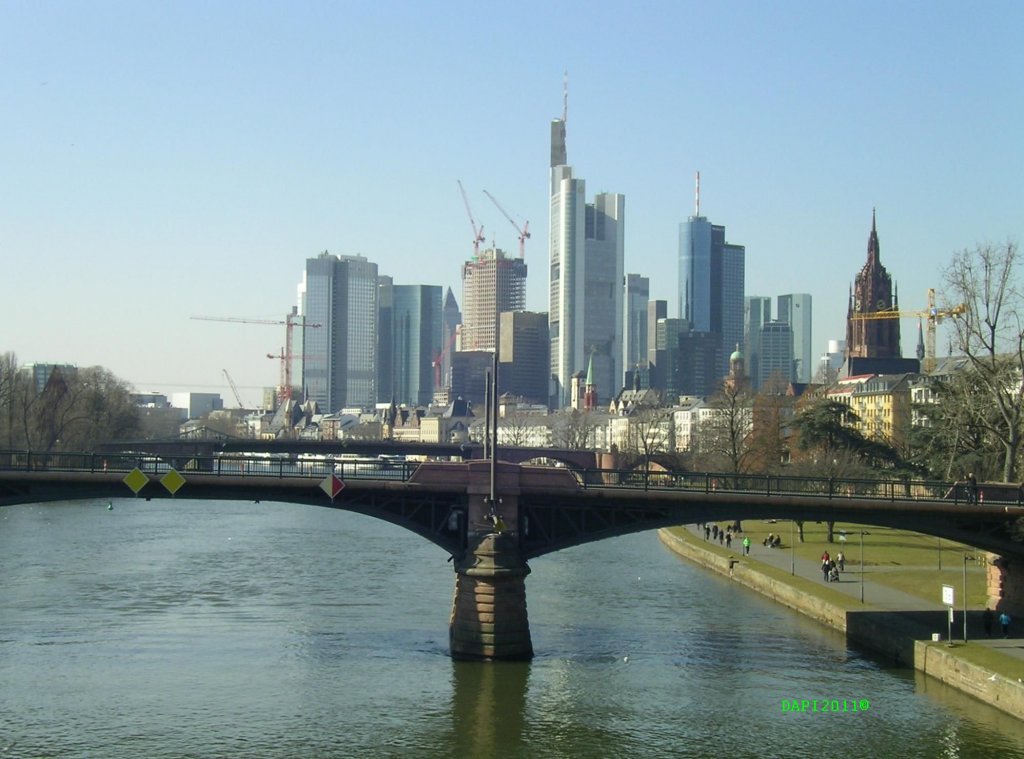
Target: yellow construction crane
point(933, 315)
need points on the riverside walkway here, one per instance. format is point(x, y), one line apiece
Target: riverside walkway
point(919, 617)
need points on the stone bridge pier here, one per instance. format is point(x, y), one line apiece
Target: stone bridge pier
point(489, 619)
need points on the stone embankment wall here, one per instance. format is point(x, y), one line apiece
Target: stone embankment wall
point(887, 633)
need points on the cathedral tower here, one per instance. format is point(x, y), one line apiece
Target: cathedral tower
point(868, 333)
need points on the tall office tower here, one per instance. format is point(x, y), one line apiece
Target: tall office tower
point(492, 283)
point(587, 263)
point(776, 364)
point(711, 282)
point(523, 356)
point(668, 356)
point(339, 358)
point(698, 364)
point(451, 318)
point(603, 296)
point(416, 341)
point(656, 309)
point(872, 292)
point(385, 337)
point(634, 327)
point(795, 308)
point(757, 311)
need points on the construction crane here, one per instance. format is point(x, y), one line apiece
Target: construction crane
point(234, 389)
point(934, 315)
point(524, 231)
point(478, 232)
point(284, 390)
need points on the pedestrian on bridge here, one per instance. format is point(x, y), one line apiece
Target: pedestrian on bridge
point(972, 488)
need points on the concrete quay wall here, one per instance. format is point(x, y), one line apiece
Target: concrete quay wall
point(884, 632)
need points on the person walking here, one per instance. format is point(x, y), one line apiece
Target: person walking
point(1004, 622)
point(986, 621)
point(841, 561)
point(746, 545)
point(972, 488)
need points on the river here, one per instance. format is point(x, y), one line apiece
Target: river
point(229, 629)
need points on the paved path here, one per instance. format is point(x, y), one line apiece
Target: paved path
point(931, 616)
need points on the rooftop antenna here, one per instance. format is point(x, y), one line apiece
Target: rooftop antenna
point(697, 196)
point(565, 96)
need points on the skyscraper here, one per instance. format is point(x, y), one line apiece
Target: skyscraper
point(339, 358)
point(711, 283)
point(603, 295)
point(523, 371)
point(451, 319)
point(872, 292)
point(416, 341)
point(757, 311)
point(776, 361)
point(795, 308)
point(634, 327)
point(587, 255)
point(492, 283)
point(385, 337)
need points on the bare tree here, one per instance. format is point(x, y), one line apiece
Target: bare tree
point(649, 432)
point(990, 334)
point(724, 436)
point(573, 429)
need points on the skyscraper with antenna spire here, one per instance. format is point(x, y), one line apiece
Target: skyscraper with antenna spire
point(587, 267)
point(711, 282)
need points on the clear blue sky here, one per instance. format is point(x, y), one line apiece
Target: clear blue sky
point(163, 160)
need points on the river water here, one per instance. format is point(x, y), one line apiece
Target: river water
point(228, 629)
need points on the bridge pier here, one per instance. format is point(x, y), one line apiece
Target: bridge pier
point(489, 619)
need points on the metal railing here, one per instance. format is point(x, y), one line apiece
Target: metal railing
point(319, 467)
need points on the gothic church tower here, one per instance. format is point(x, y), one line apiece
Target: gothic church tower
point(872, 336)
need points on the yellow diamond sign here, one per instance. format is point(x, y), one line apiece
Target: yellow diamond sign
point(136, 480)
point(172, 481)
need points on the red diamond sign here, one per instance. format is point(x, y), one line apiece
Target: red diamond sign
point(332, 485)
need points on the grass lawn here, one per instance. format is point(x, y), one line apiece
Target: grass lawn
point(907, 561)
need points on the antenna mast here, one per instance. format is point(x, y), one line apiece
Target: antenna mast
point(565, 96)
point(697, 196)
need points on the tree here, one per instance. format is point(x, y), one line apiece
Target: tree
point(989, 334)
point(826, 431)
point(573, 429)
point(74, 410)
point(648, 432)
point(724, 433)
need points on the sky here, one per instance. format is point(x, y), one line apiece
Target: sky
point(163, 160)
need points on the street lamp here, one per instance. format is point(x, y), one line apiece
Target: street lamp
point(967, 558)
point(862, 534)
point(792, 547)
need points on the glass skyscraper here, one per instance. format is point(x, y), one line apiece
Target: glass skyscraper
point(415, 342)
point(711, 284)
point(339, 358)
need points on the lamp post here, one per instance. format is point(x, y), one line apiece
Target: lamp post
point(862, 534)
point(792, 547)
point(967, 558)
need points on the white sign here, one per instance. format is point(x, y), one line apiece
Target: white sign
point(947, 595)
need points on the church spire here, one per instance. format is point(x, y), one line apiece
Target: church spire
point(873, 251)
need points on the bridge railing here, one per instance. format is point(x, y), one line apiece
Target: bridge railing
point(760, 484)
point(319, 467)
point(227, 464)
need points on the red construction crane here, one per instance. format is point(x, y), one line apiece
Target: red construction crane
point(478, 232)
point(284, 390)
point(524, 231)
